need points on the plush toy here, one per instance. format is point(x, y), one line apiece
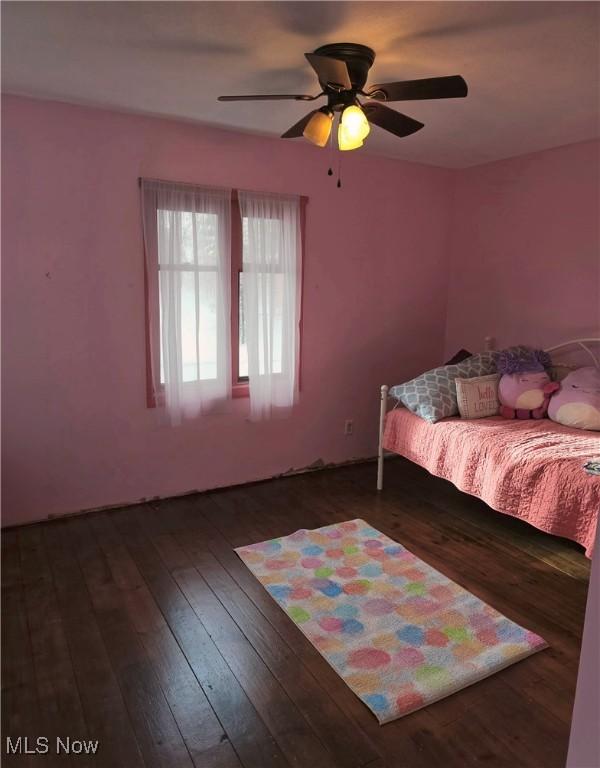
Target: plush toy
point(525, 387)
point(578, 402)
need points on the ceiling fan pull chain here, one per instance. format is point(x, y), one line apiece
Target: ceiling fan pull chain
point(330, 170)
point(339, 181)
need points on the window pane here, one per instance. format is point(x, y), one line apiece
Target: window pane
point(269, 234)
point(196, 324)
point(269, 329)
point(243, 344)
point(179, 231)
point(270, 318)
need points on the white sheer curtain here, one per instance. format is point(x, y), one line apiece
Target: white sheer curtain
point(271, 299)
point(193, 254)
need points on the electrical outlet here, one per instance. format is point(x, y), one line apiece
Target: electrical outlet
point(348, 427)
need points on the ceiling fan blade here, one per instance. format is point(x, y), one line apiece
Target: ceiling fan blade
point(452, 87)
point(297, 129)
point(390, 120)
point(269, 97)
point(332, 72)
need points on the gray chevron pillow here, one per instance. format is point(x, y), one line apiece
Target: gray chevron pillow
point(432, 395)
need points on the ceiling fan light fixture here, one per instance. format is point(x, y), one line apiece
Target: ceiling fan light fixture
point(355, 122)
point(346, 141)
point(353, 129)
point(318, 128)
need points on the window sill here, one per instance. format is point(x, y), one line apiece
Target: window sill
point(240, 390)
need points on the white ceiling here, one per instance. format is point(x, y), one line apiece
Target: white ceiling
point(532, 67)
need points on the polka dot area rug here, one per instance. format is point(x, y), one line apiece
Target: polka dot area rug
point(398, 632)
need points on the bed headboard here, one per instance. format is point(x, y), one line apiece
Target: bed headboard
point(565, 346)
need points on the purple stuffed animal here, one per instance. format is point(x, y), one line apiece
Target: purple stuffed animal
point(525, 387)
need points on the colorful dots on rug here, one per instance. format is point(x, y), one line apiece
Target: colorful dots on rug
point(335, 553)
point(409, 657)
point(351, 549)
point(370, 533)
point(378, 606)
point(274, 564)
point(269, 546)
point(409, 701)
point(311, 562)
point(457, 634)
point(373, 544)
point(346, 572)
point(312, 550)
point(487, 635)
point(436, 638)
point(369, 658)
point(377, 701)
point(346, 611)
point(331, 624)
point(300, 593)
point(352, 627)
point(359, 587)
point(326, 587)
point(278, 591)
point(431, 674)
point(371, 569)
point(467, 650)
point(393, 550)
point(508, 632)
point(364, 682)
point(385, 642)
point(411, 634)
point(323, 573)
point(416, 588)
point(298, 614)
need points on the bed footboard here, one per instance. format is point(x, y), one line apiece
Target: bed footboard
point(382, 412)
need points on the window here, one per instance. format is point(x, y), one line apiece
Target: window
point(223, 279)
point(195, 282)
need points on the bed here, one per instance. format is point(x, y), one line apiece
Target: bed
point(533, 470)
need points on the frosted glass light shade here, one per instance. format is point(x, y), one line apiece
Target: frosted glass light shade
point(318, 128)
point(345, 141)
point(353, 129)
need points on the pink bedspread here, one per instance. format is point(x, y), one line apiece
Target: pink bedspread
point(529, 469)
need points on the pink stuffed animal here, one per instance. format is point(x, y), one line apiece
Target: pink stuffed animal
point(525, 387)
point(578, 402)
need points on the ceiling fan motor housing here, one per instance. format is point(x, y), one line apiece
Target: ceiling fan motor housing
point(358, 58)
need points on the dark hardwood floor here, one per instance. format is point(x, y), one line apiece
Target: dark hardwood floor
point(141, 628)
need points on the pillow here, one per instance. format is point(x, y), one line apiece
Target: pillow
point(461, 355)
point(432, 395)
point(577, 403)
point(478, 397)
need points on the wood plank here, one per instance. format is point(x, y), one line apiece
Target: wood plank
point(102, 701)
point(202, 733)
point(245, 729)
point(156, 731)
point(20, 710)
point(60, 709)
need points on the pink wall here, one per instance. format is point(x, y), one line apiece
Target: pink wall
point(525, 250)
point(76, 431)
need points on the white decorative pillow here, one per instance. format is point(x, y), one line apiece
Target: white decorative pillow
point(478, 397)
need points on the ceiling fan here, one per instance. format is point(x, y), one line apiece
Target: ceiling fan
point(342, 69)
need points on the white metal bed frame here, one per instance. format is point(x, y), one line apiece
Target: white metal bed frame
point(488, 345)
